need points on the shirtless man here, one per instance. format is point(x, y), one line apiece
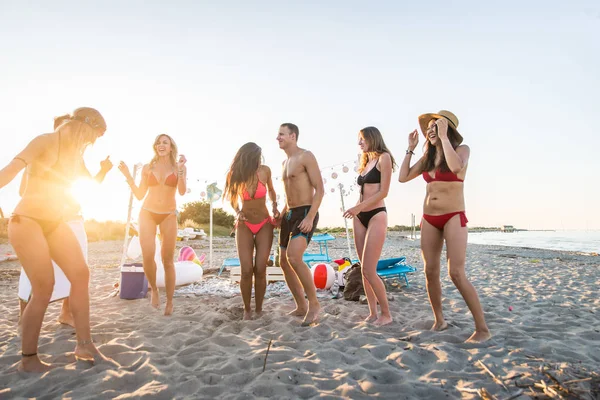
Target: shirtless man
point(304, 191)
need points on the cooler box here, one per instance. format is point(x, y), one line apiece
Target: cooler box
point(134, 284)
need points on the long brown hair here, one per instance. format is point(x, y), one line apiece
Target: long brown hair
point(172, 156)
point(242, 171)
point(376, 147)
point(431, 151)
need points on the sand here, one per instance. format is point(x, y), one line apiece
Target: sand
point(205, 351)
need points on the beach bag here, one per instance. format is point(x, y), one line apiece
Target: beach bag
point(354, 284)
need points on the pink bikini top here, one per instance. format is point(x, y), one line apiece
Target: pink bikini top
point(439, 176)
point(261, 192)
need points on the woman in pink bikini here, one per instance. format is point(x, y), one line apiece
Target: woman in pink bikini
point(249, 180)
point(161, 179)
point(444, 166)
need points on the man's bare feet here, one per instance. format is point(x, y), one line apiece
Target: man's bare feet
point(479, 337)
point(371, 318)
point(66, 319)
point(383, 320)
point(439, 326)
point(169, 308)
point(312, 315)
point(247, 315)
point(33, 364)
point(154, 298)
point(298, 312)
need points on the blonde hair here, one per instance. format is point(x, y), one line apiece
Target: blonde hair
point(172, 156)
point(78, 135)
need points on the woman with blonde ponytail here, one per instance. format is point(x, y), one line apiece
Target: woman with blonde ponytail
point(39, 234)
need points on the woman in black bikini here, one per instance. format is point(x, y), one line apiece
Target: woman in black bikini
point(161, 179)
point(370, 224)
point(249, 180)
point(444, 167)
point(38, 233)
point(73, 218)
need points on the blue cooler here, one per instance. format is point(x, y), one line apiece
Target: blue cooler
point(134, 284)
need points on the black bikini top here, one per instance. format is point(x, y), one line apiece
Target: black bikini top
point(373, 176)
point(55, 173)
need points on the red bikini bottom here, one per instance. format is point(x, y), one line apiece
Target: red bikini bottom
point(255, 228)
point(439, 221)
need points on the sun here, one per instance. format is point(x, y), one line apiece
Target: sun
point(97, 201)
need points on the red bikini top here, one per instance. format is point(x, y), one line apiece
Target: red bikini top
point(260, 193)
point(439, 176)
point(171, 180)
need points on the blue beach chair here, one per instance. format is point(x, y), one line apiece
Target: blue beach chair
point(323, 254)
point(394, 268)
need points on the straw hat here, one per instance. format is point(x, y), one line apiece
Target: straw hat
point(452, 120)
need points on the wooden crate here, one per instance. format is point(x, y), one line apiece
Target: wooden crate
point(273, 274)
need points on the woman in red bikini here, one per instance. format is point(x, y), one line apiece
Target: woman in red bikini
point(249, 181)
point(39, 233)
point(161, 179)
point(444, 166)
point(370, 224)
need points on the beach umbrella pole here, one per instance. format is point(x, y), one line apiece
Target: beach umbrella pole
point(345, 221)
point(211, 234)
point(128, 224)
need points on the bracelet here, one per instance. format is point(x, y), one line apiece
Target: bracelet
point(410, 152)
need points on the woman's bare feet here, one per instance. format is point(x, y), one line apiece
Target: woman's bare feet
point(383, 320)
point(312, 315)
point(87, 351)
point(33, 364)
point(154, 298)
point(479, 336)
point(169, 308)
point(247, 315)
point(66, 319)
point(298, 312)
point(371, 318)
point(439, 326)
point(259, 314)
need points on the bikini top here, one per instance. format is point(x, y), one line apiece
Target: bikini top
point(260, 193)
point(53, 173)
point(373, 176)
point(171, 180)
point(439, 176)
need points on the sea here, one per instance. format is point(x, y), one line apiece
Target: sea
point(584, 241)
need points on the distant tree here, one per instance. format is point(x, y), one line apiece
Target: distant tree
point(199, 212)
point(403, 228)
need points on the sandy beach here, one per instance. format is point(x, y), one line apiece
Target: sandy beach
point(541, 306)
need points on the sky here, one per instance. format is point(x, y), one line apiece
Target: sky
point(522, 77)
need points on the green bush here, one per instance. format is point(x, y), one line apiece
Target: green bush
point(199, 212)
